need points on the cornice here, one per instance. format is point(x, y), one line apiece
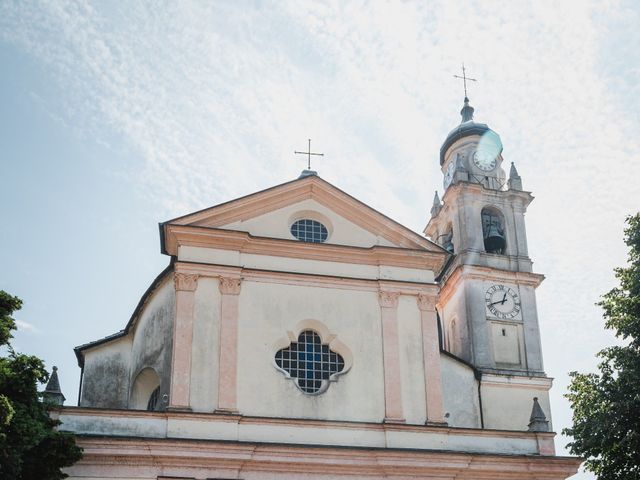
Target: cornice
point(244, 242)
point(276, 459)
point(291, 421)
point(456, 192)
point(541, 383)
point(466, 272)
point(314, 188)
point(307, 279)
point(385, 454)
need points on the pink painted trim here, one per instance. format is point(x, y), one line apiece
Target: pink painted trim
point(151, 458)
point(391, 356)
point(219, 238)
point(546, 444)
point(185, 281)
point(182, 341)
point(228, 367)
point(325, 281)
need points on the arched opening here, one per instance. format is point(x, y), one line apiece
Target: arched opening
point(493, 231)
point(146, 391)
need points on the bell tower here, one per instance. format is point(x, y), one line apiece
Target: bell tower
point(487, 300)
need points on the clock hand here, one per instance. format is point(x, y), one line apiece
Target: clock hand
point(501, 302)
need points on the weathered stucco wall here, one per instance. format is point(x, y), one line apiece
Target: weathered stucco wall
point(111, 368)
point(507, 401)
point(153, 334)
point(268, 311)
point(105, 382)
point(460, 393)
point(205, 356)
point(411, 361)
point(457, 340)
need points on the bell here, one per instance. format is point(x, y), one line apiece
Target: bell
point(494, 241)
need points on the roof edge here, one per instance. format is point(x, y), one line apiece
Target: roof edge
point(409, 234)
point(145, 296)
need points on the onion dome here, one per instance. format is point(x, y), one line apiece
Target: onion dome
point(469, 128)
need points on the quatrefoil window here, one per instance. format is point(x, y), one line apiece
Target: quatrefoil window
point(309, 362)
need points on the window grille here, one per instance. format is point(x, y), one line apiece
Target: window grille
point(309, 362)
point(307, 230)
point(153, 400)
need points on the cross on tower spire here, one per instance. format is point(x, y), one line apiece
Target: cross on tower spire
point(308, 153)
point(464, 79)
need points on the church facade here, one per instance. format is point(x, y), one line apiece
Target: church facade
point(299, 333)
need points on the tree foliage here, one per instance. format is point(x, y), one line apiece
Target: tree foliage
point(606, 405)
point(30, 446)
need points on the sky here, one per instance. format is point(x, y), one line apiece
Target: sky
point(119, 115)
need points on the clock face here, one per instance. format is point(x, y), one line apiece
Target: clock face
point(484, 160)
point(448, 175)
point(502, 301)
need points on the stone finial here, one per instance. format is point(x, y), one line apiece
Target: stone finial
point(515, 181)
point(52, 392)
point(467, 111)
point(538, 420)
point(437, 206)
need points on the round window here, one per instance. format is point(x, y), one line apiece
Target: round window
point(307, 230)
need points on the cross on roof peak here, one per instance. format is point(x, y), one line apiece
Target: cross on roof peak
point(308, 153)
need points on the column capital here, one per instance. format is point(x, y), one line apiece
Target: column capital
point(388, 299)
point(185, 281)
point(426, 302)
point(229, 285)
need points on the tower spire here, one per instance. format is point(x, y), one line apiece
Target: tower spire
point(515, 181)
point(52, 392)
point(538, 420)
point(435, 209)
point(467, 110)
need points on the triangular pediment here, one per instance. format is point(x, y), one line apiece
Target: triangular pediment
point(258, 212)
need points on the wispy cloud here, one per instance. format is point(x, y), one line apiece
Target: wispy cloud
point(27, 327)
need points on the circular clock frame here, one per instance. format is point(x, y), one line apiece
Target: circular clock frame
point(484, 160)
point(503, 302)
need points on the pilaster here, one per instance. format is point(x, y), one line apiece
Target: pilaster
point(391, 356)
point(228, 373)
point(185, 286)
point(431, 359)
